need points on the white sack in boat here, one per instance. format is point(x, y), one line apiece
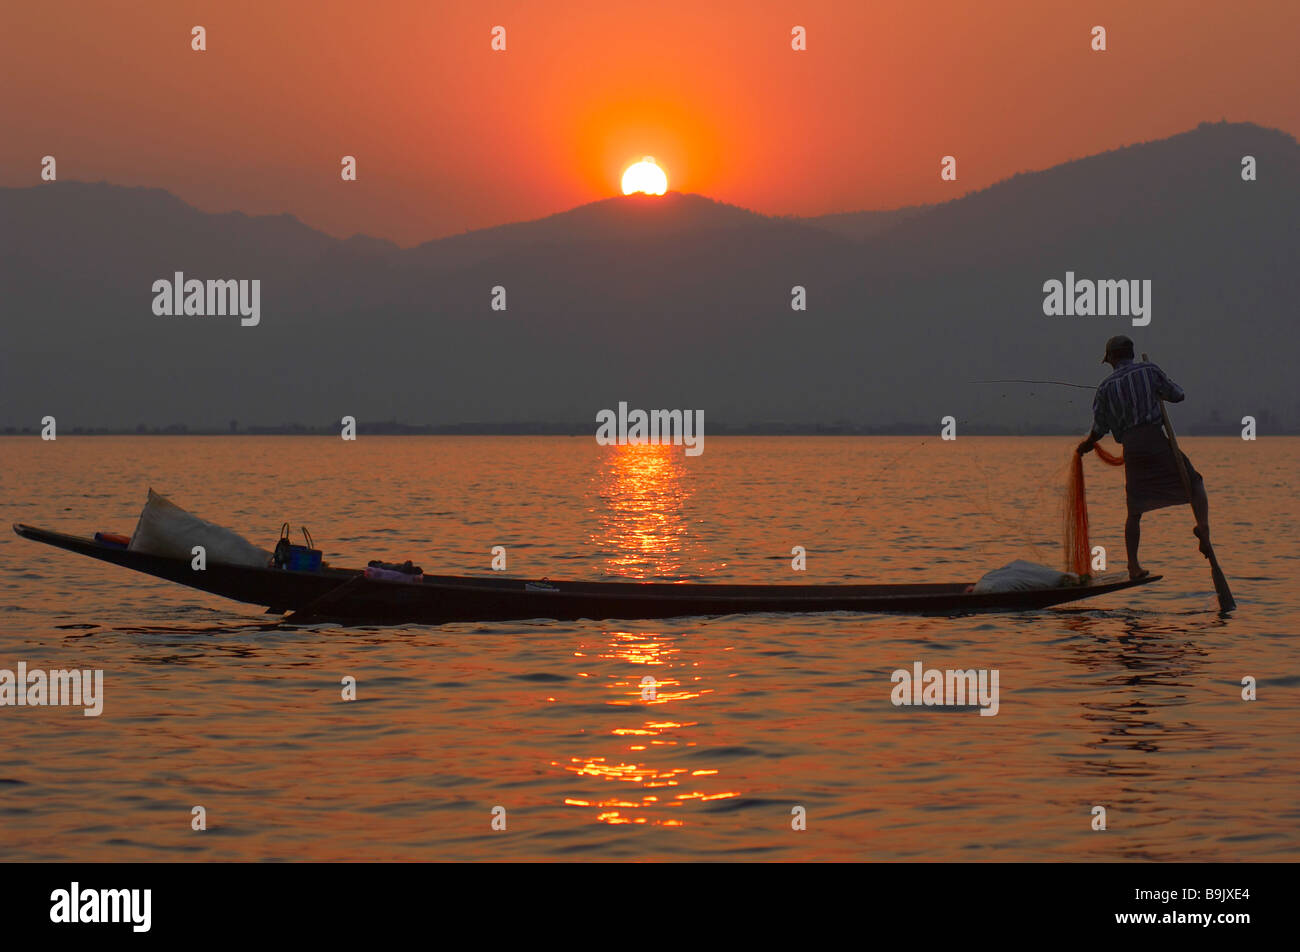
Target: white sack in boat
point(167, 529)
point(1022, 576)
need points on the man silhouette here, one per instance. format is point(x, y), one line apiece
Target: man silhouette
point(1128, 406)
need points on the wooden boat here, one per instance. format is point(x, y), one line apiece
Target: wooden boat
point(346, 594)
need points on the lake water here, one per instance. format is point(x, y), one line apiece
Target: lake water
point(1131, 701)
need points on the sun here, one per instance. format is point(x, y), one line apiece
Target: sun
point(645, 176)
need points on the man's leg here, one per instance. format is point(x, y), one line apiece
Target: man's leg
point(1132, 536)
point(1201, 509)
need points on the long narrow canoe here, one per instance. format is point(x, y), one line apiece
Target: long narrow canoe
point(346, 594)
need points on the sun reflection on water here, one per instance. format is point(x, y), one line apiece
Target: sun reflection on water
point(661, 790)
point(642, 532)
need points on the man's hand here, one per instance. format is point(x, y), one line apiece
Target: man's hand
point(1085, 447)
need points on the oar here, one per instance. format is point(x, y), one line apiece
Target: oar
point(332, 597)
point(1226, 602)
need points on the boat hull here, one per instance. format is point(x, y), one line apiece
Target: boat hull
point(345, 594)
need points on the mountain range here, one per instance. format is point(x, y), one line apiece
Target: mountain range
point(672, 302)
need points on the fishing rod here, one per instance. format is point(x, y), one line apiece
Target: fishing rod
point(1054, 383)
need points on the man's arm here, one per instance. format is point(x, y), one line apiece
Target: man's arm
point(1166, 389)
point(1100, 426)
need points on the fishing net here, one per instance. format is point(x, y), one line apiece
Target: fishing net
point(1074, 512)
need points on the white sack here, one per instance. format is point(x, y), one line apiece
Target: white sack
point(1022, 576)
point(167, 529)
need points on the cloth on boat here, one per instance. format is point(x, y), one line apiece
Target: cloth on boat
point(406, 566)
point(1151, 478)
point(168, 530)
point(1022, 576)
point(392, 575)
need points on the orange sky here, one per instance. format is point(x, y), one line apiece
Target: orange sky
point(450, 135)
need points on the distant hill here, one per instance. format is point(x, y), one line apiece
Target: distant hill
point(862, 225)
point(678, 301)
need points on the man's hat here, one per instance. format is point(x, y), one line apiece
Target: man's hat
point(1116, 344)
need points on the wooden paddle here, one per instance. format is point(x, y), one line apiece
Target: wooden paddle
point(1226, 602)
point(313, 609)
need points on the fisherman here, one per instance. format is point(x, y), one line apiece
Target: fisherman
point(1128, 405)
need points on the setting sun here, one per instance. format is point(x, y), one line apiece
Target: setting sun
point(645, 176)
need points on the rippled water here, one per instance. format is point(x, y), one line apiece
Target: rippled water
point(1131, 701)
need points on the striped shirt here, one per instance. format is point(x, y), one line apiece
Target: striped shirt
point(1130, 397)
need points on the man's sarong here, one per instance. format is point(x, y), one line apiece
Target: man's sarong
point(1151, 477)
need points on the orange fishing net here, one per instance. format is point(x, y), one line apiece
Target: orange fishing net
point(1074, 512)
